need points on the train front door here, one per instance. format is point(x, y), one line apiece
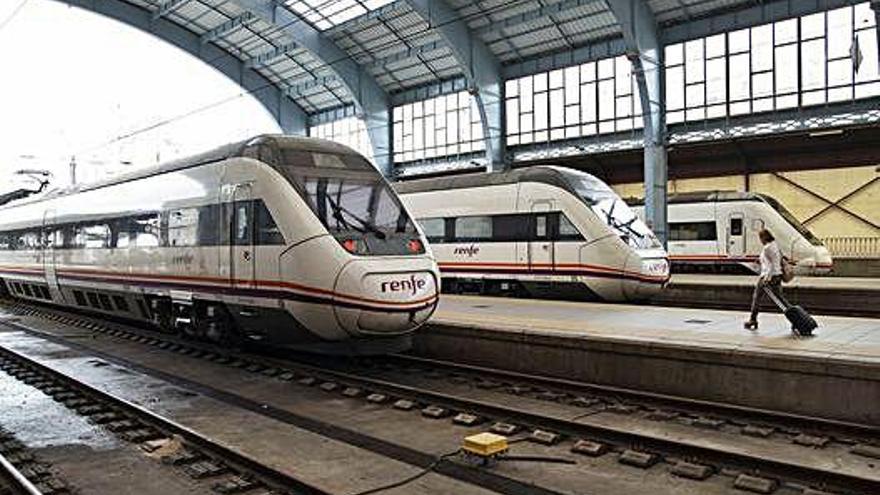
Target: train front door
point(736, 235)
point(242, 258)
point(49, 240)
point(541, 249)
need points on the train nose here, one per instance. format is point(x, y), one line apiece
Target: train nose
point(824, 263)
point(646, 275)
point(370, 301)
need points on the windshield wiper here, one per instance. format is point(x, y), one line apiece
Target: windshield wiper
point(366, 225)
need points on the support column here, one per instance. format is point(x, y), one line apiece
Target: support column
point(646, 54)
point(875, 4)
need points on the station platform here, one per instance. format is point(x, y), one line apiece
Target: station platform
point(699, 354)
point(846, 296)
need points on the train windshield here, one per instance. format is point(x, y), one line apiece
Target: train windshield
point(614, 212)
point(353, 202)
point(794, 222)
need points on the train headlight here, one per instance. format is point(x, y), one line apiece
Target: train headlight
point(415, 246)
point(353, 246)
point(655, 267)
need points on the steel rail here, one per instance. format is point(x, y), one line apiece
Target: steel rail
point(17, 482)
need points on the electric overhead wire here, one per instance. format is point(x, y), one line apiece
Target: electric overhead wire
point(253, 91)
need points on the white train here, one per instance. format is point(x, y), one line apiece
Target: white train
point(718, 231)
point(537, 230)
point(291, 241)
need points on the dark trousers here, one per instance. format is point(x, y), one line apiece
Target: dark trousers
point(774, 284)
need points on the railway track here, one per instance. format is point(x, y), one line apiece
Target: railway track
point(197, 456)
point(13, 481)
point(553, 416)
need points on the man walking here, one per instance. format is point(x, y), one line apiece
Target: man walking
point(771, 276)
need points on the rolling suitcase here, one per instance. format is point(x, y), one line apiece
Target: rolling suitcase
point(801, 322)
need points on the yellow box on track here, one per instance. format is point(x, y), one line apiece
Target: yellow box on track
point(485, 444)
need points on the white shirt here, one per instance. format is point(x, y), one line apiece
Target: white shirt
point(771, 260)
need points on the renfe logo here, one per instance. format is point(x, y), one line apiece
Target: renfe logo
point(411, 285)
point(470, 251)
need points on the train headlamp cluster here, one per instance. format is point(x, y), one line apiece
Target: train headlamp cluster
point(415, 246)
point(656, 267)
point(359, 246)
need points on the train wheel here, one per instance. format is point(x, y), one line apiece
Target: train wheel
point(216, 325)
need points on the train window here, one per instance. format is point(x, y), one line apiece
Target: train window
point(434, 229)
point(120, 233)
point(80, 298)
point(93, 300)
point(692, 231)
point(30, 239)
point(5, 243)
point(242, 223)
point(145, 230)
point(541, 226)
point(121, 303)
point(209, 225)
point(66, 237)
point(473, 228)
point(567, 230)
point(736, 226)
point(183, 227)
point(267, 230)
point(92, 236)
point(510, 228)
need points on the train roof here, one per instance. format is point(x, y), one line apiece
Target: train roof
point(547, 174)
point(215, 155)
point(703, 197)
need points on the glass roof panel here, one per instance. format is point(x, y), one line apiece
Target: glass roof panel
point(324, 14)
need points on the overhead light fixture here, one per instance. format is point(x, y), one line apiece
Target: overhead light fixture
point(829, 132)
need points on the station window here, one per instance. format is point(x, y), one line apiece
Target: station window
point(437, 127)
point(350, 131)
point(810, 60)
point(593, 98)
point(693, 231)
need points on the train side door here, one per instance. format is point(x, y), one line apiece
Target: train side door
point(736, 234)
point(541, 249)
point(49, 240)
point(242, 258)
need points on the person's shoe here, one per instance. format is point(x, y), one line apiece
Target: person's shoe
point(750, 325)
